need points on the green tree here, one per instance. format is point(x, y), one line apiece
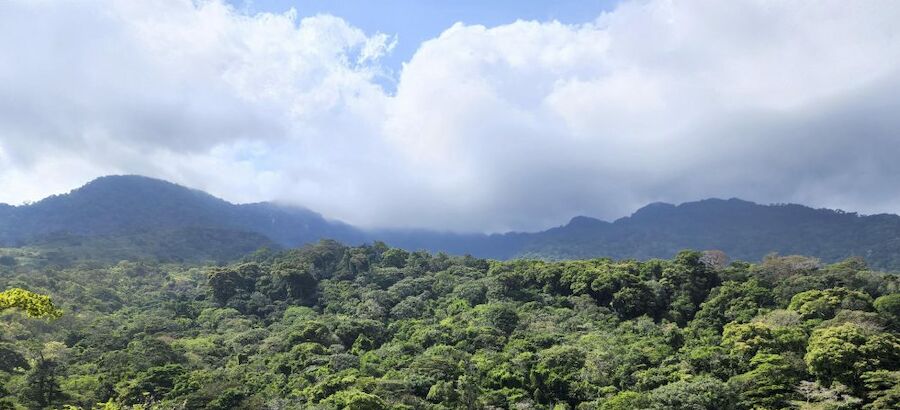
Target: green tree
point(297, 283)
point(626, 400)
point(354, 399)
point(770, 385)
point(556, 374)
point(394, 257)
point(10, 358)
point(688, 281)
point(889, 307)
point(883, 389)
point(502, 317)
point(225, 283)
point(153, 384)
point(824, 304)
point(633, 301)
point(745, 340)
point(843, 353)
point(698, 393)
point(733, 302)
point(42, 383)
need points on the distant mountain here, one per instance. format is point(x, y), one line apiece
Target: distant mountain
point(124, 209)
point(168, 221)
point(743, 230)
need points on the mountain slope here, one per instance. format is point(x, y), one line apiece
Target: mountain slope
point(114, 206)
point(742, 229)
point(168, 221)
point(189, 244)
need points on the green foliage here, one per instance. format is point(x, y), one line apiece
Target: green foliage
point(889, 307)
point(355, 400)
point(844, 353)
point(824, 304)
point(733, 302)
point(626, 400)
point(883, 389)
point(555, 373)
point(152, 384)
point(700, 393)
point(769, 385)
point(746, 340)
point(371, 327)
point(395, 258)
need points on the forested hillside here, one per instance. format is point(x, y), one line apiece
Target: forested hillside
point(742, 229)
point(142, 218)
point(124, 206)
point(373, 327)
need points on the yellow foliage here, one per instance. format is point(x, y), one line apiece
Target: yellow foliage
point(32, 304)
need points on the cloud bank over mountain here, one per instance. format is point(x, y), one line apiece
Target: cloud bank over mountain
point(519, 126)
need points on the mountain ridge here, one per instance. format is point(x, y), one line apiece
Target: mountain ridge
point(128, 205)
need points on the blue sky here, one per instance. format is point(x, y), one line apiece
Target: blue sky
point(415, 21)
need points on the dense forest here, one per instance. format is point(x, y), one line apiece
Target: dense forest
point(133, 217)
point(329, 326)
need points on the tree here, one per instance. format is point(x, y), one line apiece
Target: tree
point(775, 268)
point(42, 383)
point(732, 302)
point(501, 317)
point(833, 352)
point(224, 283)
point(409, 308)
point(883, 389)
point(296, 283)
point(438, 363)
point(633, 301)
point(10, 358)
point(698, 393)
point(818, 397)
point(152, 384)
point(689, 281)
point(314, 328)
point(745, 340)
point(556, 373)
point(32, 304)
point(354, 399)
point(443, 392)
point(889, 307)
point(770, 385)
point(394, 257)
point(824, 304)
point(626, 400)
point(843, 353)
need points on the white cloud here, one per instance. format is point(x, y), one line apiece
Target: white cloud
point(512, 127)
point(174, 89)
point(656, 100)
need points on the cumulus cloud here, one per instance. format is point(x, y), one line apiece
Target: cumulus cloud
point(518, 126)
point(659, 100)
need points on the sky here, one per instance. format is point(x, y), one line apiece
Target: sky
point(464, 116)
point(411, 22)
